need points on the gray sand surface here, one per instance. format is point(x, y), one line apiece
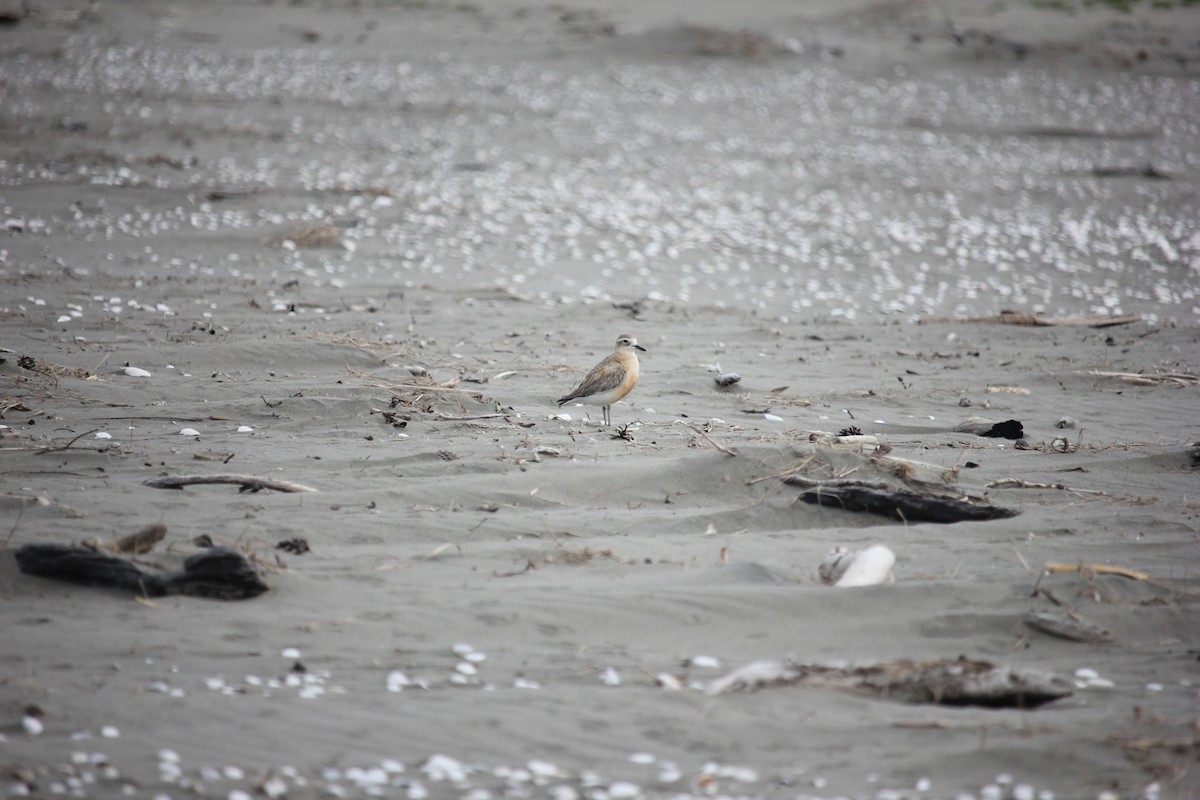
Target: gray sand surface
point(363, 246)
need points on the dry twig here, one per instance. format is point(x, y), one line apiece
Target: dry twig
point(708, 439)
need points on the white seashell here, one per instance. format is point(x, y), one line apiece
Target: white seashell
point(168, 756)
point(466, 668)
point(746, 774)
point(870, 567)
point(564, 792)
point(865, 568)
point(1086, 673)
point(234, 773)
point(542, 769)
point(274, 787)
point(110, 732)
point(562, 417)
point(502, 375)
point(136, 372)
point(290, 652)
point(444, 768)
point(189, 432)
point(704, 662)
point(643, 758)
point(526, 683)
point(772, 418)
point(623, 790)
point(670, 773)
point(65, 318)
point(611, 677)
point(475, 658)
point(238, 794)
point(245, 429)
point(462, 648)
point(32, 725)
point(103, 435)
point(668, 681)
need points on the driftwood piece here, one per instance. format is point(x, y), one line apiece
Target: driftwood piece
point(219, 573)
point(904, 505)
point(1018, 318)
point(952, 682)
point(245, 483)
point(1098, 569)
point(1154, 379)
point(1064, 627)
point(142, 541)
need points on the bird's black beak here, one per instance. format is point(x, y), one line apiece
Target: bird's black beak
point(639, 347)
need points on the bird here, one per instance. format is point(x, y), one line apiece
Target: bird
point(611, 379)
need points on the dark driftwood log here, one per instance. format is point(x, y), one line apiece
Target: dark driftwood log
point(953, 682)
point(963, 683)
point(245, 483)
point(220, 573)
point(904, 505)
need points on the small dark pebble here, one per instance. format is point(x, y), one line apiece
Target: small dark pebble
point(853, 430)
point(297, 545)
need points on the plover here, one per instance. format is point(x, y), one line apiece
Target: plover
point(611, 379)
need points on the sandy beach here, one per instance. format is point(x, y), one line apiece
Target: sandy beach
point(364, 246)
